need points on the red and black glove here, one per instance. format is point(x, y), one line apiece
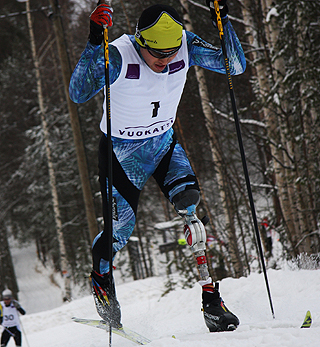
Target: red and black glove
point(100, 17)
point(223, 7)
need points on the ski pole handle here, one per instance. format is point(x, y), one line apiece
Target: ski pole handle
point(107, 2)
point(219, 20)
point(105, 35)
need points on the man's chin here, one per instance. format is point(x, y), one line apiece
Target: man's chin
point(159, 68)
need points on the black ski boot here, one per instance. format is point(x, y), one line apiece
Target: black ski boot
point(104, 295)
point(216, 315)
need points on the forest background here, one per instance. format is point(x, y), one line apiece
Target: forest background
point(48, 159)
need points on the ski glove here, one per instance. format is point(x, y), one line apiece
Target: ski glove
point(18, 307)
point(16, 304)
point(101, 16)
point(223, 9)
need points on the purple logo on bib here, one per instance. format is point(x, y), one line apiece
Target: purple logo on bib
point(177, 66)
point(133, 71)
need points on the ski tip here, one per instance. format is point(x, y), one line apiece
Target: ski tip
point(75, 318)
point(307, 320)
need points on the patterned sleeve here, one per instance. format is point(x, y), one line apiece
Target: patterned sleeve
point(203, 54)
point(88, 77)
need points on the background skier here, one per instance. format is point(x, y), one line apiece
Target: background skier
point(9, 318)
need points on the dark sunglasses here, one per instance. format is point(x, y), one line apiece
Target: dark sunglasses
point(160, 54)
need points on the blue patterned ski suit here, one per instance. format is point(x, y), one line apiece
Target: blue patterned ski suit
point(134, 161)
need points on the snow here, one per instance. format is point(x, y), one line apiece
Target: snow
point(144, 309)
point(272, 12)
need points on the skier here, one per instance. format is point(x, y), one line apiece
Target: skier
point(147, 76)
point(9, 318)
point(266, 232)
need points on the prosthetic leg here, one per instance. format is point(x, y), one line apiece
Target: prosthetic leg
point(185, 204)
point(196, 236)
point(216, 315)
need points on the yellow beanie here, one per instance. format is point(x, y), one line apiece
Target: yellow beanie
point(159, 27)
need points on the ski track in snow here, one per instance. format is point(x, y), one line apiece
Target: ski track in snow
point(48, 321)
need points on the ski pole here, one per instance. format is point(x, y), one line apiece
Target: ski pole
point(241, 147)
point(24, 333)
point(109, 227)
point(8, 331)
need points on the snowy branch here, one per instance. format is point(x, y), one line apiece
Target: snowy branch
point(207, 9)
point(316, 232)
point(242, 121)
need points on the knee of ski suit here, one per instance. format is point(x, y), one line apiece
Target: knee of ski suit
point(185, 202)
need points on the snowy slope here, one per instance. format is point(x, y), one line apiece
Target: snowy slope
point(38, 286)
point(178, 314)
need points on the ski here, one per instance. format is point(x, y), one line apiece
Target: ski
point(124, 332)
point(307, 321)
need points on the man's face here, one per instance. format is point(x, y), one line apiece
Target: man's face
point(7, 300)
point(157, 64)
